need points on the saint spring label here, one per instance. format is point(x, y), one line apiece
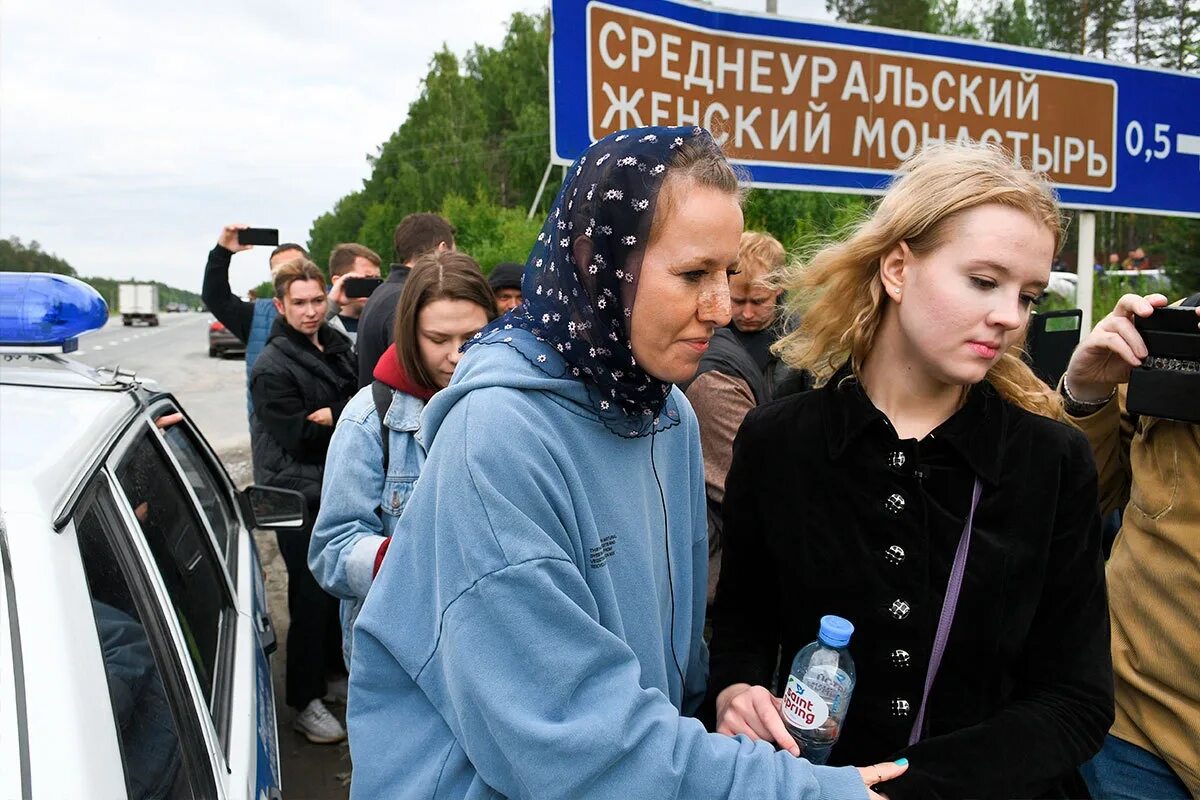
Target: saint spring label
point(803, 708)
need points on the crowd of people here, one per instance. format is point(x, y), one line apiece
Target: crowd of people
point(569, 521)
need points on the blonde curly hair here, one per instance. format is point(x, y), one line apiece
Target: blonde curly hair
point(838, 293)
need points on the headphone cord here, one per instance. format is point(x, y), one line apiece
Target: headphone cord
point(670, 581)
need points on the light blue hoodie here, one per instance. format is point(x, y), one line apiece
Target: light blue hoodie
point(536, 627)
point(360, 505)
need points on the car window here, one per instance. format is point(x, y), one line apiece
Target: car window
point(176, 539)
point(209, 488)
point(146, 728)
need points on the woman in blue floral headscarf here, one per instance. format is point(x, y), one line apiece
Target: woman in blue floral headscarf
point(535, 629)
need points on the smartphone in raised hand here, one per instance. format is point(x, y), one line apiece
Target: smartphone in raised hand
point(356, 286)
point(267, 236)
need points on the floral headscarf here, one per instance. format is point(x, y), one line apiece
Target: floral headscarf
point(582, 275)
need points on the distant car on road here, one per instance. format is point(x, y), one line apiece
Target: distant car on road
point(221, 342)
point(133, 614)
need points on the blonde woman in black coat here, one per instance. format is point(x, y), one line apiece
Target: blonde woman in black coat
point(930, 443)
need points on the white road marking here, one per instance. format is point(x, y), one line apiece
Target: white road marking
point(1187, 144)
point(98, 347)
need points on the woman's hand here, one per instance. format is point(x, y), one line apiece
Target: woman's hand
point(322, 416)
point(879, 773)
point(1111, 351)
point(754, 711)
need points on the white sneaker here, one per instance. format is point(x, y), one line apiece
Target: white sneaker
point(318, 725)
point(335, 690)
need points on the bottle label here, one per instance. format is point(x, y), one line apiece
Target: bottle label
point(803, 707)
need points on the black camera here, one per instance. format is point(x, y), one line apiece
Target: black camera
point(1167, 384)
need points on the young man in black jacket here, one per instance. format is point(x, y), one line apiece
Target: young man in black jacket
point(301, 382)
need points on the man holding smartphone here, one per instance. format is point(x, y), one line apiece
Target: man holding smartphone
point(1151, 466)
point(353, 262)
point(249, 321)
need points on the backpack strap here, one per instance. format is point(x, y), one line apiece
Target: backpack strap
point(381, 393)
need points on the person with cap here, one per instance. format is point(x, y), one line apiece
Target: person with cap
point(505, 280)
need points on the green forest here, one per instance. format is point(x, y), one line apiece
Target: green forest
point(16, 256)
point(475, 142)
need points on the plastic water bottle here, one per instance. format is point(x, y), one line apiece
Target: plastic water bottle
point(818, 690)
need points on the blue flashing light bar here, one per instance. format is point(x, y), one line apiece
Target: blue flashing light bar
point(42, 311)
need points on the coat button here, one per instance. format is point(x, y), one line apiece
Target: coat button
point(900, 707)
point(900, 609)
point(894, 555)
point(896, 459)
point(894, 503)
point(901, 659)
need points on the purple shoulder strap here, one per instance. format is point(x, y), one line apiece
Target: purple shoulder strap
point(947, 618)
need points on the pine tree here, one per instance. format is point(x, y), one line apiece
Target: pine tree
point(1144, 34)
point(908, 15)
point(1178, 41)
point(1011, 24)
point(1061, 24)
point(1105, 17)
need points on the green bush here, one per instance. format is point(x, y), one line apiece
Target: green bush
point(491, 233)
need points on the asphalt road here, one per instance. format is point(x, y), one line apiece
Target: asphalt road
point(175, 355)
point(213, 393)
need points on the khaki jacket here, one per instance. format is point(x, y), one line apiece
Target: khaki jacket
point(1152, 467)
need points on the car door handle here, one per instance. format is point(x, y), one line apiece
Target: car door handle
point(266, 634)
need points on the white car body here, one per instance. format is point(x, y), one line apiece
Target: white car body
point(66, 432)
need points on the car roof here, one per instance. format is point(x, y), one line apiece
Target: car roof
point(56, 418)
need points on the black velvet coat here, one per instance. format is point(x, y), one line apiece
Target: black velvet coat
point(827, 511)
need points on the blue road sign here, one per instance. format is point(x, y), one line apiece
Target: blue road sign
point(835, 107)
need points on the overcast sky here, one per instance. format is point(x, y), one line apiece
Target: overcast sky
point(130, 132)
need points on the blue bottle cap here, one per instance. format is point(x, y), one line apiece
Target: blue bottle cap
point(835, 631)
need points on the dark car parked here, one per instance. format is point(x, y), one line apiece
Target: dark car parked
point(221, 342)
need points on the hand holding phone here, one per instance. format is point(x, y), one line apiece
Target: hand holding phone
point(1110, 352)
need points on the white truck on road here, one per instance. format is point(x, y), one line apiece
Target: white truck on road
point(138, 303)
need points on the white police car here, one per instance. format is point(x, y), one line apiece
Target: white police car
point(134, 633)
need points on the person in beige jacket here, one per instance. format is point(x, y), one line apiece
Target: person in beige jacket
point(1150, 466)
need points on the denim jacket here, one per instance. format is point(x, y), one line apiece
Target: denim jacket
point(359, 505)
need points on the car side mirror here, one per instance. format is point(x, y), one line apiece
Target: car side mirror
point(271, 508)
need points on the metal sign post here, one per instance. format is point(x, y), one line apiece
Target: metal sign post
point(1086, 270)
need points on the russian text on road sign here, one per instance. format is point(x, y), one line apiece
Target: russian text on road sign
point(838, 107)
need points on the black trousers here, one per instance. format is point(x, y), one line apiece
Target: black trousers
point(314, 638)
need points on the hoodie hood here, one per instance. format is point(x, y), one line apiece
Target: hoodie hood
point(391, 372)
point(530, 364)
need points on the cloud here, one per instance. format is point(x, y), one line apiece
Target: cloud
point(131, 131)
